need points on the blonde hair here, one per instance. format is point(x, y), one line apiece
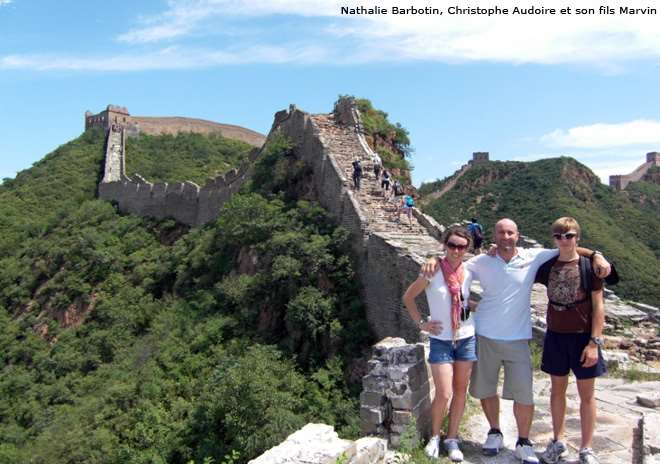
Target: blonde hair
point(565, 224)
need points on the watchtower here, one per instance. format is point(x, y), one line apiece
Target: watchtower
point(113, 114)
point(479, 157)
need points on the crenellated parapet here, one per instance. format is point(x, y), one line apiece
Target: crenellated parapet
point(184, 201)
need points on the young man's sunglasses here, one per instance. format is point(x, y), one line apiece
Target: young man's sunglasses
point(456, 246)
point(566, 236)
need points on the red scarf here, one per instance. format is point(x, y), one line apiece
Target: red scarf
point(454, 281)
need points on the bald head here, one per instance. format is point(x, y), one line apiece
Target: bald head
point(506, 223)
point(506, 235)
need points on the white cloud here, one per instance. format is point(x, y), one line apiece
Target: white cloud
point(638, 132)
point(167, 58)
point(602, 40)
point(5, 2)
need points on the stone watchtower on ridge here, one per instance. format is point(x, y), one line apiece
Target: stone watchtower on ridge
point(113, 115)
point(479, 157)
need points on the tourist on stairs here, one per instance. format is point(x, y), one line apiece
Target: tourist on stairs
point(357, 173)
point(451, 330)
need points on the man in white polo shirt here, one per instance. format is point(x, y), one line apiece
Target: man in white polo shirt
point(504, 328)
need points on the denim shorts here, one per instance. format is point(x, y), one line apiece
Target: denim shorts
point(447, 351)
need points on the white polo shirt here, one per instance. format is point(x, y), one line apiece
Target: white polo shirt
point(504, 312)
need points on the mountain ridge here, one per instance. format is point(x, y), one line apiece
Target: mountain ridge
point(534, 194)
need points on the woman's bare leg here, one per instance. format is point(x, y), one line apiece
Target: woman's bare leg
point(442, 379)
point(462, 370)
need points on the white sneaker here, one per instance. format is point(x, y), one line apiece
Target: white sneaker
point(587, 456)
point(453, 451)
point(526, 454)
point(554, 452)
point(493, 444)
point(432, 448)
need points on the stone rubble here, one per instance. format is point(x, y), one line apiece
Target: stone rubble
point(320, 444)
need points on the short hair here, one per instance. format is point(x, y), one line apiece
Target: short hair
point(459, 231)
point(565, 224)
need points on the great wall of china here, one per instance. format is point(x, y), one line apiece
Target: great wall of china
point(620, 182)
point(396, 388)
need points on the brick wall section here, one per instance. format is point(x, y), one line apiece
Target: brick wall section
point(396, 391)
point(620, 182)
point(186, 201)
point(387, 262)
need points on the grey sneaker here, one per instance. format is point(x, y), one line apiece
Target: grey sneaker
point(432, 447)
point(453, 451)
point(587, 456)
point(493, 444)
point(554, 452)
point(526, 454)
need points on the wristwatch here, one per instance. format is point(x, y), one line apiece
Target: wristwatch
point(596, 252)
point(598, 341)
point(421, 322)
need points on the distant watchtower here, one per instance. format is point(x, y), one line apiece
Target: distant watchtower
point(620, 182)
point(111, 115)
point(479, 157)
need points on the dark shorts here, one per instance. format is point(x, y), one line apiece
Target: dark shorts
point(562, 353)
point(385, 184)
point(446, 351)
point(477, 242)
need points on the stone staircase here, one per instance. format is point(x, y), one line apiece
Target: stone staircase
point(344, 145)
point(379, 215)
point(114, 157)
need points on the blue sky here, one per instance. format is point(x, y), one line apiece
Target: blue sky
point(520, 87)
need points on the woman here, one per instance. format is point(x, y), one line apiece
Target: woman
point(453, 344)
point(575, 319)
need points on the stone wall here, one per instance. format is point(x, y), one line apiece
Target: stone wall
point(620, 182)
point(135, 125)
point(396, 392)
point(185, 201)
point(385, 265)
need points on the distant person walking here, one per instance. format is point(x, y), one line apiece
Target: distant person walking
point(385, 184)
point(477, 232)
point(573, 341)
point(378, 165)
point(452, 338)
point(407, 205)
point(357, 173)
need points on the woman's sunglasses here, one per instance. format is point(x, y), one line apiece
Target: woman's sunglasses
point(456, 246)
point(566, 236)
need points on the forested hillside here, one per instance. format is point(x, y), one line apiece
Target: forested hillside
point(129, 340)
point(624, 225)
point(185, 156)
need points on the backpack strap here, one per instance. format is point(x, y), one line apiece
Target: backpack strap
point(586, 275)
point(543, 274)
